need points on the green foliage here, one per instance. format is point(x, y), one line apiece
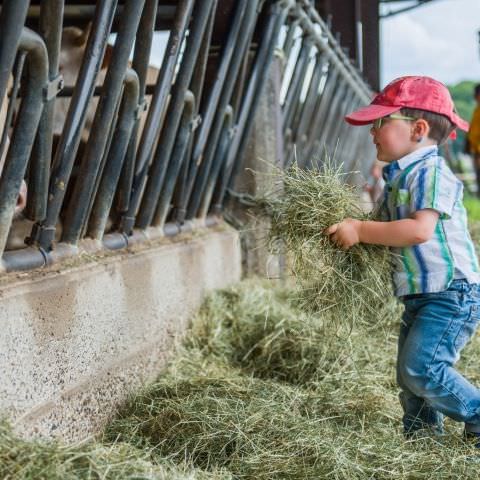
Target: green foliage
point(462, 94)
point(472, 205)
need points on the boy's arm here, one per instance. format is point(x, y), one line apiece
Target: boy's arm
point(399, 233)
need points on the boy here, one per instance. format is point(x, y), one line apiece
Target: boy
point(435, 271)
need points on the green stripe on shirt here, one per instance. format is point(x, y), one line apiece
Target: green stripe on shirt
point(410, 270)
point(442, 241)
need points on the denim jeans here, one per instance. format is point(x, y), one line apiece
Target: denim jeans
point(435, 327)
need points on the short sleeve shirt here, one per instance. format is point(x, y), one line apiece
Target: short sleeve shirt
point(423, 180)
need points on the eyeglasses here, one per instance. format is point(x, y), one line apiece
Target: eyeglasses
point(379, 121)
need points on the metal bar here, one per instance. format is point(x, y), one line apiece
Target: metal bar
point(220, 154)
point(67, 91)
point(17, 75)
point(51, 15)
point(202, 159)
point(24, 132)
point(308, 17)
point(333, 138)
point(219, 84)
point(319, 116)
point(153, 123)
point(345, 136)
point(197, 82)
point(309, 104)
point(141, 58)
point(80, 14)
point(296, 84)
point(162, 156)
point(301, 107)
point(116, 155)
point(178, 157)
point(290, 38)
point(110, 133)
point(12, 19)
point(43, 233)
point(260, 71)
point(405, 9)
point(333, 112)
point(78, 209)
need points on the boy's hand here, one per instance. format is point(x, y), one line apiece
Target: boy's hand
point(346, 233)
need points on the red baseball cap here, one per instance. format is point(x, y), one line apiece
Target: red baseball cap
point(423, 93)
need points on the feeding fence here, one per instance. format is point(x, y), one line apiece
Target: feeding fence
point(137, 158)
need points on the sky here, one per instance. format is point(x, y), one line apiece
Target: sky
point(438, 39)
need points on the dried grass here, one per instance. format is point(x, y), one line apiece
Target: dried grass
point(211, 409)
point(91, 460)
point(352, 286)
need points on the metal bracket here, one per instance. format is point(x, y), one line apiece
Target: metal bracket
point(41, 236)
point(141, 108)
point(53, 88)
point(195, 123)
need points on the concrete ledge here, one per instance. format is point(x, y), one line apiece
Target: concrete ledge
point(75, 341)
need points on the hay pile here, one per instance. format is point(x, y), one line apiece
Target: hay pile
point(260, 330)
point(354, 285)
point(39, 460)
point(211, 409)
point(242, 401)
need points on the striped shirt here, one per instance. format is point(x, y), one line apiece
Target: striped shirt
point(422, 180)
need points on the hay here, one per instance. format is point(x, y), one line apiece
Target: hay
point(210, 416)
point(42, 460)
point(255, 327)
point(344, 424)
point(353, 286)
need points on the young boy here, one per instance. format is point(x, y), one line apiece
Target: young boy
point(435, 271)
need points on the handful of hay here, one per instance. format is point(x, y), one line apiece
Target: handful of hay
point(349, 286)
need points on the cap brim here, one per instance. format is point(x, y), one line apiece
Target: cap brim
point(460, 123)
point(370, 113)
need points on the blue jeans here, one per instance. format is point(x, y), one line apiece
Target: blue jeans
point(435, 327)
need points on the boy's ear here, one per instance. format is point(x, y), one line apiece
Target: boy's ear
point(420, 129)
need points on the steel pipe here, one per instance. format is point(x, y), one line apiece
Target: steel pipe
point(26, 127)
point(90, 168)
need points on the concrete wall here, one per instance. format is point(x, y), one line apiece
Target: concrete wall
point(263, 153)
point(75, 341)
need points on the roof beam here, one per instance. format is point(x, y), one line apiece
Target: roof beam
point(404, 9)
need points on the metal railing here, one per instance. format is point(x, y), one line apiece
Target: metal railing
point(136, 178)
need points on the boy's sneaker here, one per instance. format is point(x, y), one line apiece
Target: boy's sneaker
point(472, 438)
point(427, 431)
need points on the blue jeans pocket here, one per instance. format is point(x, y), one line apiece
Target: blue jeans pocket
point(467, 330)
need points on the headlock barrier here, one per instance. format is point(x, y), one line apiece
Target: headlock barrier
point(136, 158)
